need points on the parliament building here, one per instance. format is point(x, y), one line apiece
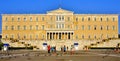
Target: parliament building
point(59, 24)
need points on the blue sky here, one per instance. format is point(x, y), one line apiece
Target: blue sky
point(41, 6)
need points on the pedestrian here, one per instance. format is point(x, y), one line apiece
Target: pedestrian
point(48, 47)
point(61, 49)
point(117, 48)
point(67, 48)
point(64, 48)
point(55, 49)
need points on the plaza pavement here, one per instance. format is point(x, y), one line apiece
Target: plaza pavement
point(92, 55)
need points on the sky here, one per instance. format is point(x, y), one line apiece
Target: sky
point(42, 6)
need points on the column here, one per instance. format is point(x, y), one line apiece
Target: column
point(55, 36)
point(58, 35)
point(71, 35)
point(64, 36)
point(67, 36)
point(47, 35)
point(52, 35)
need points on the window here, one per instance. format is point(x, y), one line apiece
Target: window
point(107, 19)
point(76, 19)
point(101, 19)
point(57, 26)
point(95, 19)
point(89, 19)
point(18, 36)
point(113, 19)
point(36, 18)
point(68, 26)
point(76, 36)
point(25, 19)
point(101, 36)
point(101, 28)
point(82, 27)
point(6, 36)
point(12, 27)
point(18, 19)
point(30, 27)
point(51, 26)
point(30, 36)
point(76, 27)
point(82, 19)
point(36, 36)
point(95, 37)
point(12, 36)
point(6, 19)
point(24, 27)
point(42, 27)
point(89, 36)
point(24, 36)
point(113, 36)
point(51, 18)
point(12, 19)
point(89, 27)
point(42, 36)
point(82, 36)
point(62, 25)
point(30, 18)
point(113, 27)
point(107, 36)
point(57, 17)
point(95, 27)
point(68, 18)
point(62, 18)
point(6, 27)
point(18, 27)
point(36, 27)
point(42, 18)
point(107, 27)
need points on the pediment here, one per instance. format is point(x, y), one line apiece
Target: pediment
point(60, 11)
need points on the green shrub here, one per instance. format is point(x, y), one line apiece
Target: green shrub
point(1, 45)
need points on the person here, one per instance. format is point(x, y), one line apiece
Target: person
point(55, 49)
point(117, 48)
point(64, 48)
point(67, 48)
point(48, 47)
point(61, 49)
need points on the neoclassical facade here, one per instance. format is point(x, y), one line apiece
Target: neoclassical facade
point(59, 24)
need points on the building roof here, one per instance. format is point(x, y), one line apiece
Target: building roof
point(60, 10)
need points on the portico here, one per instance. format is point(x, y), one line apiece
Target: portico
point(59, 35)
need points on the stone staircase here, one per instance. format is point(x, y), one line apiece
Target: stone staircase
point(106, 43)
point(38, 44)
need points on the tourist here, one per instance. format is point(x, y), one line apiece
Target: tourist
point(67, 48)
point(55, 49)
point(64, 48)
point(61, 49)
point(117, 48)
point(48, 47)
